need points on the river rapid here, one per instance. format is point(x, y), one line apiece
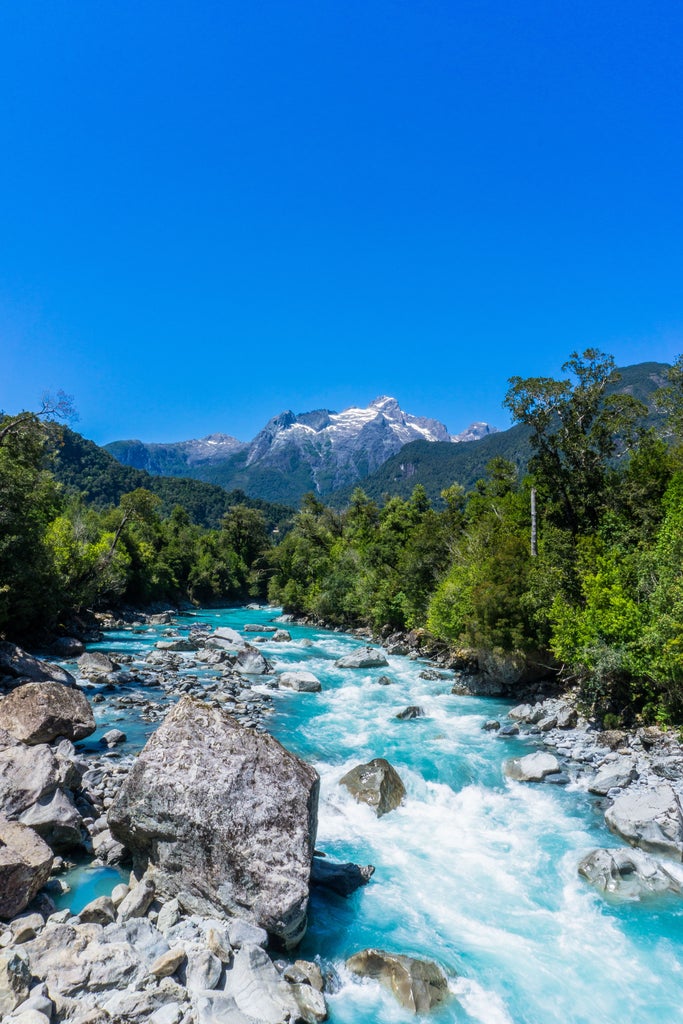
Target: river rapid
point(473, 871)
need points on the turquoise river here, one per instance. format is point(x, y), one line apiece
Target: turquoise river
point(473, 871)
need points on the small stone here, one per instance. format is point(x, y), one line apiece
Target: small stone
point(99, 911)
point(532, 768)
point(168, 963)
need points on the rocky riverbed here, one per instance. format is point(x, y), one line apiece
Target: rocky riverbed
point(189, 938)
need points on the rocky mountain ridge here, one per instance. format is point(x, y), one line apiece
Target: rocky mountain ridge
point(318, 451)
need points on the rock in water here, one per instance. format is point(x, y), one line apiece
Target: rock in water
point(304, 682)
point(25, 862)
point(39, 712)
point(375, 783)
point(419, 985)
point(340, 878)
point(364, 657)
point(630, 874)
point(223, 818)
point(18, 666)
point(532, 768)
point(649, 818)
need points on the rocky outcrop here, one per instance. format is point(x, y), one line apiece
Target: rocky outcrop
point(377, 784)
point(364, 657)
point(649, 818)
point(303, 682)
point(223, 818)
point(343, 879)
point(419, 985)
point(630, 874)
point(532, 768)
point(25, 863)
point(40, 712)
point(17, 666)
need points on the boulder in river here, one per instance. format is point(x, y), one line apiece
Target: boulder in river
point(419, 985)
point(340, 878)
point(304, 682)
point(532, 768)
point(377, 784)
point(223, 818)
point(364, 657)
point(631, 874)
point(226, 638)
point(25, 863)
point(17, 666)
point(96, 666)
point(412, 711)
point(251, 662)
point(649, 818)
point(40, 712)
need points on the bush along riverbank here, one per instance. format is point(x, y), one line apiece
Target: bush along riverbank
point(214, 824)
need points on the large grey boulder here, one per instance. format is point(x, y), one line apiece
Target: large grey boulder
point(649, 818)
point(343, 879)
point(419, 985)
point(226, 638)
point(30, 780)
point(40, 712)
point(630, 874)
point(25, 863)
point(364, 657)
point(96, 666)
point(532, 768)
point(15, 981)
point(613, 775)
point(377, 784)
point(251, 662)
point(16, 666)
point(257, 989)
point(301, 681)
point(223, 818)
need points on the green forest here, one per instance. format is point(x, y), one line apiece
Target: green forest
point(578, 562)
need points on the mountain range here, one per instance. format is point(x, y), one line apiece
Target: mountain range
point(380, 447)
point(320, 451)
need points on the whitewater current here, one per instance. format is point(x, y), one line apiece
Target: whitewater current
point(473, 871)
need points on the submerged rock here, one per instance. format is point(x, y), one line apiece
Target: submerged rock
point(364, 657)
point(532, 768)
point(649, 818)
point(631, 874)
point(223, 818)
point(413, 711)
point(40, 712)
point(25, 863)
point(419, 985)
point(377, 784)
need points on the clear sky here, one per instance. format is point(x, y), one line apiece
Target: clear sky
point(213, 210)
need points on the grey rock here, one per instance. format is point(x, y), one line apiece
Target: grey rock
point(224, 635)
point(301, 681)
point(340, 878)
point(282, 636)
point(257, 989)
point(224, 817)
point(364, 657)
point(385, 681)
point(567, 718)
point(95, 665)
point(55, 818)
point(630, 874)
point(16, 665)
point(377, 784)
point(138, 900)
point(532, 768)
point(649, 818)
point(113, 737)
point(492, 725)
point(304, 972)
point(615, 775)
point(15, 981)
point(311, 1002)
point(99, 911)
point(169, 915)
point(181, 644)
point(509, 730)
point(419, 985)
point(168, 963)
point(26, 927)
point(251, 662)
point(25, 865)
point(255, 627)
point(520, 713)
point(40, 712)
point(413, 711)
point(203, 971)
point(243, 933)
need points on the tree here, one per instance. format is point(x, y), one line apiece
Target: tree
point(579, 424)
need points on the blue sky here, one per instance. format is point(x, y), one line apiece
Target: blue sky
point(214, 211)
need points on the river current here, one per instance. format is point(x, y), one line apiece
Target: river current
point(473, 871)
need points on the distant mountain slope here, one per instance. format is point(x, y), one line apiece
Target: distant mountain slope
point(437, 466)
point(317, 451)
point(84, 467)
